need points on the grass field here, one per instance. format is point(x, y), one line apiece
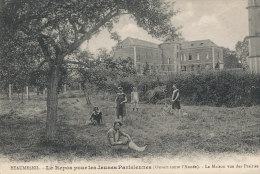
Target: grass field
point(209, 130)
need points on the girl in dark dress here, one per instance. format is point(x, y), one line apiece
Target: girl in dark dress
point(176, 100)
point(120, 101)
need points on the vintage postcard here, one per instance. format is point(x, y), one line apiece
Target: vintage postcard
point(129, 86)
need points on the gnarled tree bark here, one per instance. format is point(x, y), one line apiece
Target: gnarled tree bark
point(52, 101)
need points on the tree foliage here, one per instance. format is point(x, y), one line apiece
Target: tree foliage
point(242, 52)
point(230, 59)
point(46, 34)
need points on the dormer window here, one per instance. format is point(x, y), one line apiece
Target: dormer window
point(201, 43)
point(120, 45)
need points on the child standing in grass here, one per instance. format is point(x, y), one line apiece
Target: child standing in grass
point(134, 98)
point(120, 101)
point(96, 117)
point(176, 100)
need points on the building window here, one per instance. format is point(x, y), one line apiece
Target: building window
point(184, 68)
point(184, 57)
point(207, 56)
point(192, 68)
point(198, 56)
point(190, 56)
point(169, 61)
point(138, 57)
point(177, 55)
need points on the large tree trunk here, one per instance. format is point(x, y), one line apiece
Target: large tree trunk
point(52, 102)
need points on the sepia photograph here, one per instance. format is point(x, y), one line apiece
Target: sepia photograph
point(129, 86)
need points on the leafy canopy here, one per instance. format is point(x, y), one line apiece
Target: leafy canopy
point(36, 32)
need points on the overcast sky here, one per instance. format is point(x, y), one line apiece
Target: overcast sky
point(223, 21)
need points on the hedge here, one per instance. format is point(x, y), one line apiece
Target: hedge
point(222, 88)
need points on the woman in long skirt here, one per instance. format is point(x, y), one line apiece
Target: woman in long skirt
point(120, 101)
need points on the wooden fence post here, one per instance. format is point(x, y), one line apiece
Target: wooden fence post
point(10, 92)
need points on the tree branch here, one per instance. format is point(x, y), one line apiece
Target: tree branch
point(56, 47)
point(89, 33)
point(44, 48)
point(41, 64)
point(75, 29)
point(75, 63)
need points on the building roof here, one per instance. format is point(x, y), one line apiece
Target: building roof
point(138, 42)
point(184, 45)
point(198, 43)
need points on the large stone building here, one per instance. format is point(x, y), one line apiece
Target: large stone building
point(171, 57)
point(254, 35)
point(141, 51)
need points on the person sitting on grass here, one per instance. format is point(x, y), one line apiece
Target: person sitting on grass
point(96, 117)
point(119, 140)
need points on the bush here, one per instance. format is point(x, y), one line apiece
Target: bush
point(156, 94)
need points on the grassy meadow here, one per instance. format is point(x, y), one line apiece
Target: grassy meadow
point(202, 129)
